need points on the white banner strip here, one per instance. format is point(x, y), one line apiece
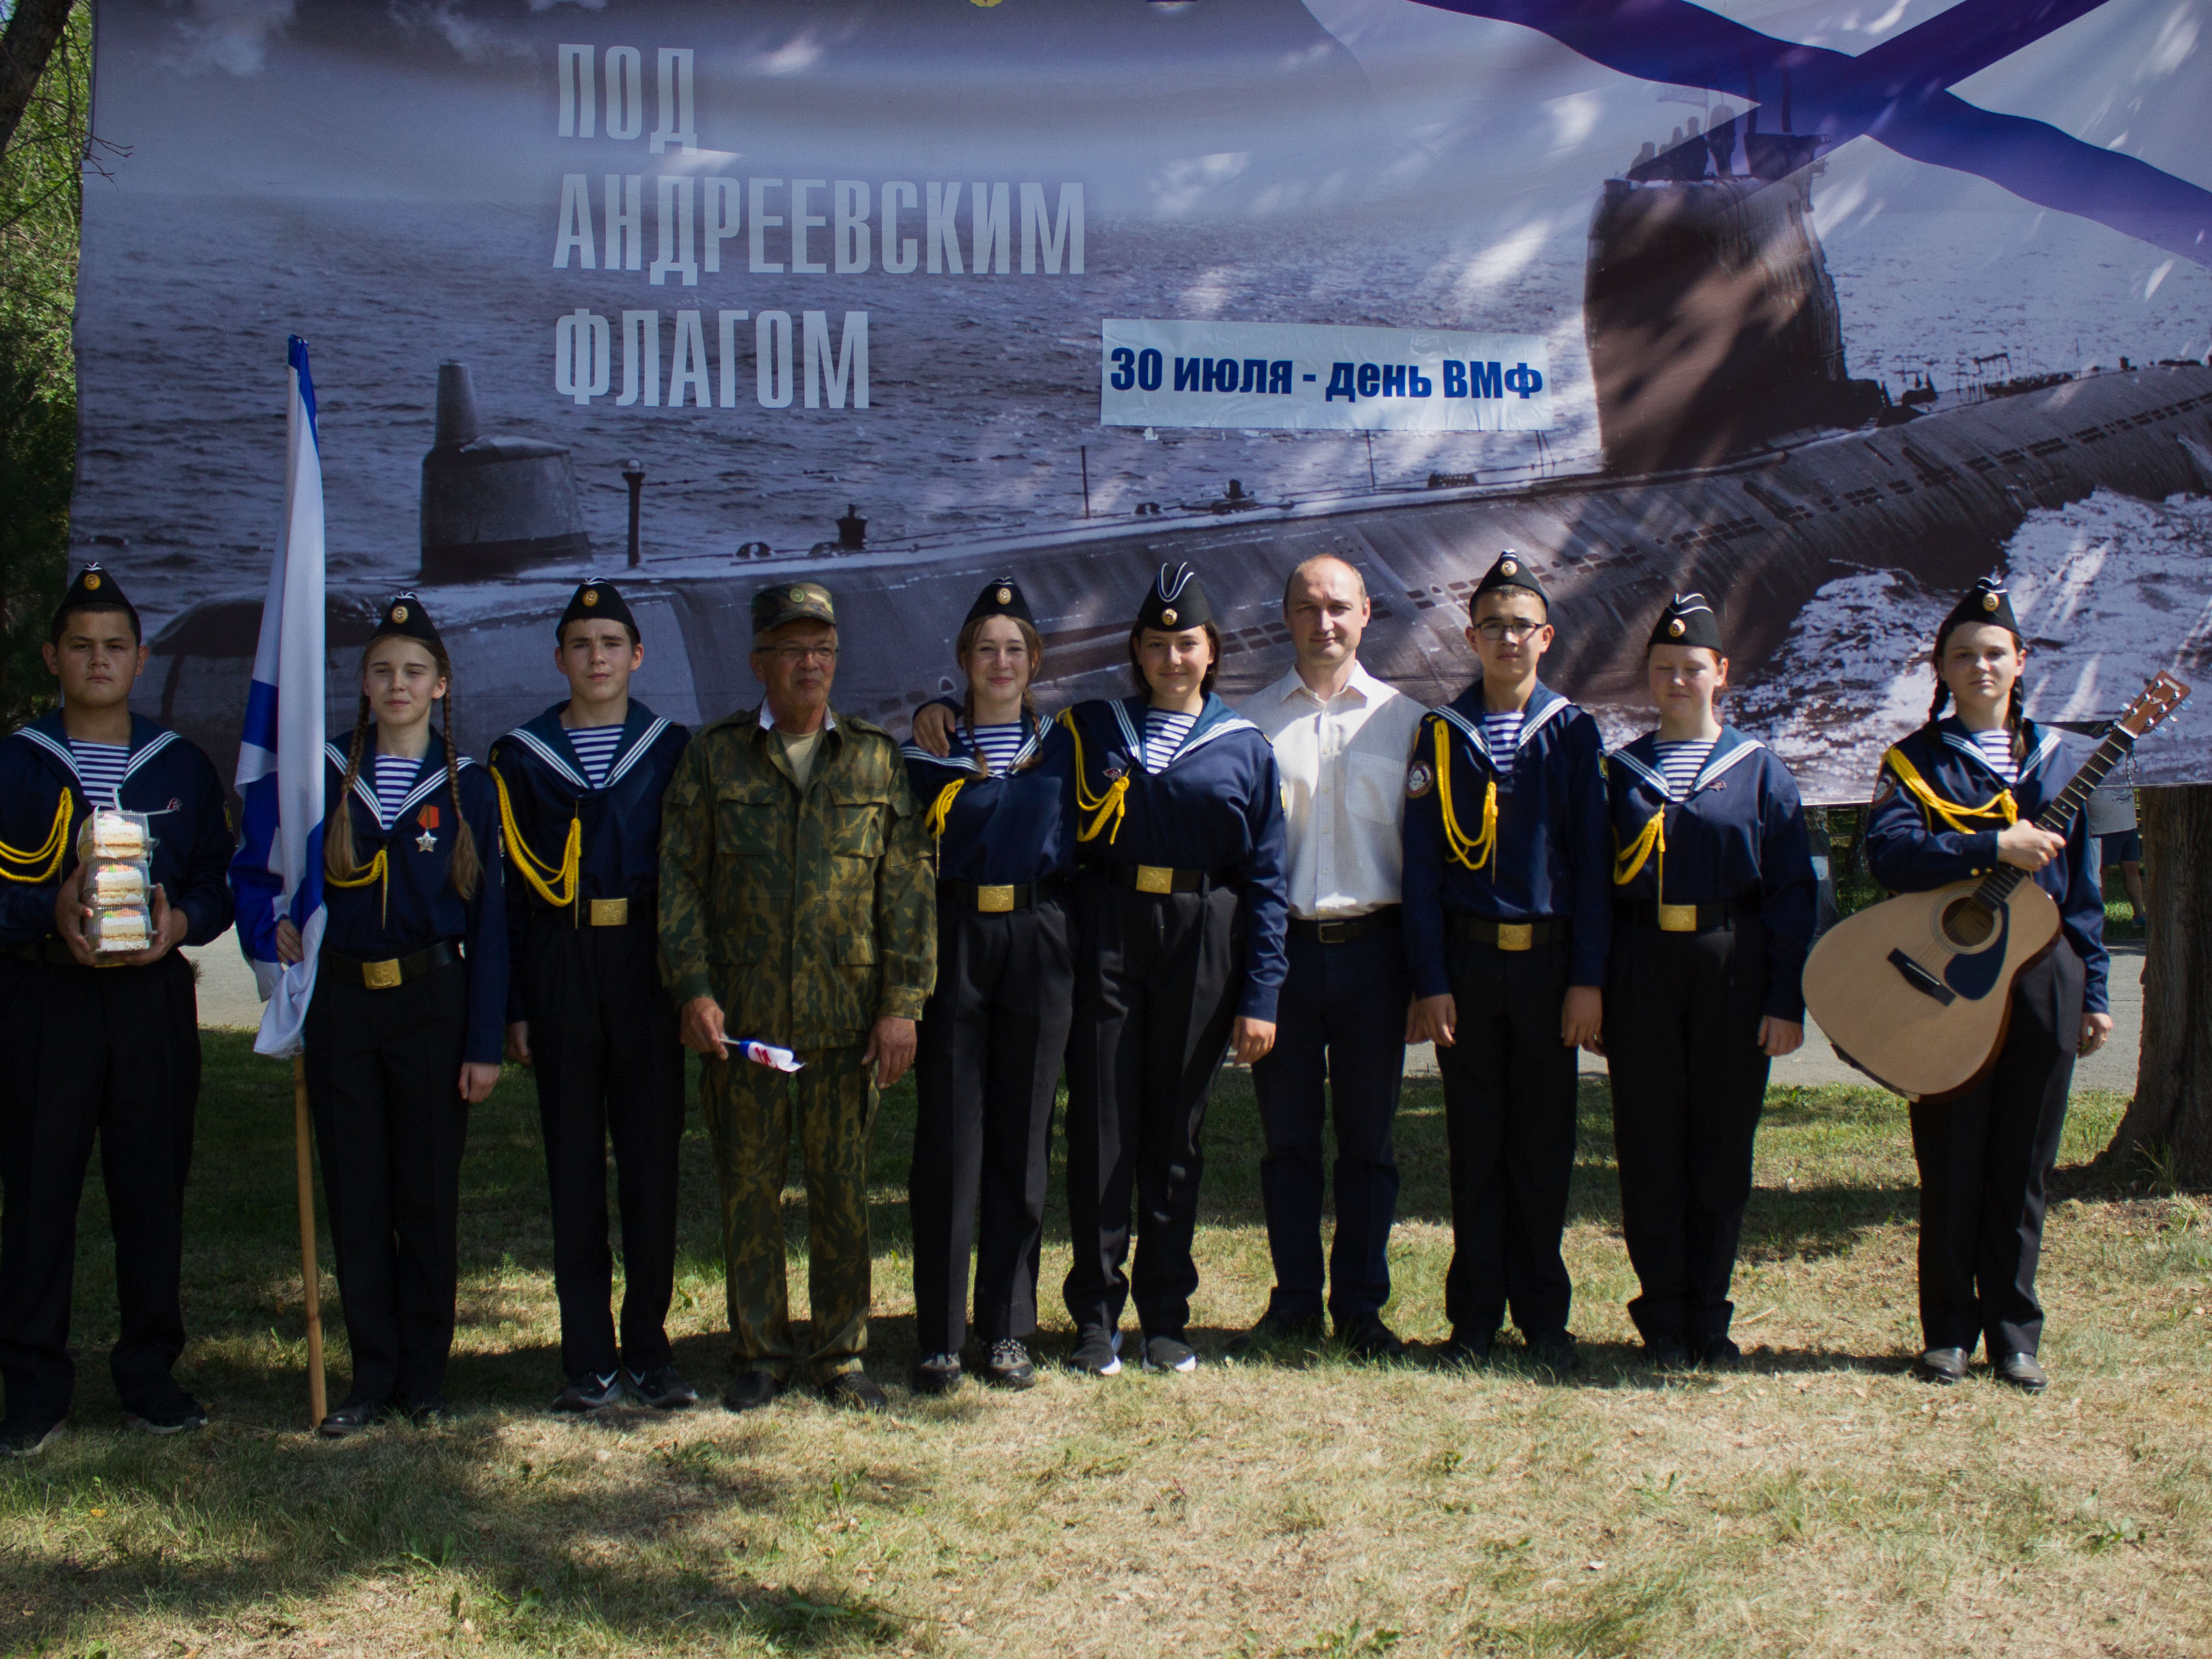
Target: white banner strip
point(1313, 377)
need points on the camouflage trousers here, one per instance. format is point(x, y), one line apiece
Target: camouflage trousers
point(751, 1110)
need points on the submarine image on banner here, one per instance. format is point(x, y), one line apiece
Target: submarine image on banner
point(1741, 460)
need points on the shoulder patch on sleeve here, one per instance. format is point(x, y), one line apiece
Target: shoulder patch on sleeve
point(1420, 780)
point(1885, 786)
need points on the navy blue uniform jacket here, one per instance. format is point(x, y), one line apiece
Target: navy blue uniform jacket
point(416, 907)
point(1553, 852)
point(547, 790)
point(1738, 836)
point(1217, 806)
point(165, 776)
point(1001, 829)
point(1910, 848)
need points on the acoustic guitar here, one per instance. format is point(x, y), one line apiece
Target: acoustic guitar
point(1916, 991)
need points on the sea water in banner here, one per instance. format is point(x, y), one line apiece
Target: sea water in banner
point(903, 296)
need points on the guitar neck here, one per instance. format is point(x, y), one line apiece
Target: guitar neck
point(2059, 817)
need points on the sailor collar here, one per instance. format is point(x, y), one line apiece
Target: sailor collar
point(428, 782)
point(547, 738)
point(1544, 706)
point(2042, 743)
point(47, 733)
point(1216, 719)
point(964, 757)
point(1730, 750)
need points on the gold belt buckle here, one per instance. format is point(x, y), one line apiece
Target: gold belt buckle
point(994, 901)
point(611, 912)
point(1151, 878)
point(381, 975)
point(1678, 918)
point(1517, 936)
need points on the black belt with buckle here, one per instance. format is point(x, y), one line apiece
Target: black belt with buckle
point(1348, 929)
point(1504, 935)
point(1689, 918)
point(1159, 879)
point(995, 901)
point(393, 971)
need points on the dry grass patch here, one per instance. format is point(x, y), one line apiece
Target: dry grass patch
point(1817, 1501)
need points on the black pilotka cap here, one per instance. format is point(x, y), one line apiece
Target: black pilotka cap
point(95, 590)
point(1175, 601)
point(1001, 597)
point(1986, 601)
point(403, 615)
point(1511, 570)
point(1687, 620)
point(596, 601)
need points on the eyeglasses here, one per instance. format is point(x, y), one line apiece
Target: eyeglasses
point(796, 655)
point(1496, 629)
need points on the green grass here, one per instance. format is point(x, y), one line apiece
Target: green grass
point(1817, 1501)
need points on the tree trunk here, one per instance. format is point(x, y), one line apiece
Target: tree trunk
point(33, 29)
point(2170, 1119)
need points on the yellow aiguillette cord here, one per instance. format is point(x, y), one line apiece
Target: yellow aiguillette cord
point(1628, 861)
point(941, 810)
point(1110, 805)
point(2000, 806)
point(48, 854)
point(567, 872)
point(379, 871)
point(1476, 853)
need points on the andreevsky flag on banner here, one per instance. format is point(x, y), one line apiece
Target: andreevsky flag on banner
point(278, 869)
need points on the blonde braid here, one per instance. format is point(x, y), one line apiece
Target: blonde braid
point(338, 815)
point(466, 868)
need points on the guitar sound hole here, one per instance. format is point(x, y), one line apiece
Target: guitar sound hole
point(1968, 923)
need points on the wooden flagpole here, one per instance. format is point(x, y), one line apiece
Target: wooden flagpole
point(310, 1276)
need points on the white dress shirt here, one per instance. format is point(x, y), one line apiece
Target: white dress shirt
point(1344, 789)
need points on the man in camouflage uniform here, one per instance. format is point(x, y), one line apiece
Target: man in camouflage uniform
point(798, 908)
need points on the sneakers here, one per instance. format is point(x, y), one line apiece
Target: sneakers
point(1169, 1353)
point(589, 1393)
point(663, 1387)
point(1010, 1365)
point(21, 1439)
point(179, 1414)
point(855, 1391)
point(937, 1373)
point(1097, 1352)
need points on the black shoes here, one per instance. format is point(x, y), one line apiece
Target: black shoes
point(1273, 1330)
point(1941, 1366)
point(589, 1393)
point(1719, 1351)
point(1010, 1365)
point(1169, 1353)
point(855, 1391)
point(429, 1412)
point(663, 1387)
point(1668, 1353)
point(1555, 1352)
point(751, 1390)
point(1097, 1352)
point(937, 1373)
point(178, 1414)
point(1465, 1349)
point(349, 1417)
point(1372, 1340)
point(2020, 1371)
point(27, 1438)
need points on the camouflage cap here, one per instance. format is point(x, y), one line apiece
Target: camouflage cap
point(791, 602)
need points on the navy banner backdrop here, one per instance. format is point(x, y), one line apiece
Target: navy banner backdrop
point(1823, 307)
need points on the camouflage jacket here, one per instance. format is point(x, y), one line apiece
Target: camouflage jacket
point(808, 916)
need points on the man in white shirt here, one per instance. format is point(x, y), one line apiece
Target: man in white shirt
point(1341, 738)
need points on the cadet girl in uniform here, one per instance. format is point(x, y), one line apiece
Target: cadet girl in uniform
point(1712, 912)
point(1954, 799)
point(1182, 900)
point(405, 1032)
point(993, 1031)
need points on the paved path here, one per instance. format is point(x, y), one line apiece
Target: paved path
point(227, 999)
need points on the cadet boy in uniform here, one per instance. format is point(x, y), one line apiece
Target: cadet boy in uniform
point(1509, 910)
point(580, 791)
point(798, 907)
point(112, 1050)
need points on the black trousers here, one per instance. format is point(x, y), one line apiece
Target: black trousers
point(1681, 1028)
point(114, 1051)
point(993, 1034)
point(1156, 996)
point(1340, 1046)
point(1984, 1159)
point(610, 1068)
point(384, 1083)
point(1510, 1124)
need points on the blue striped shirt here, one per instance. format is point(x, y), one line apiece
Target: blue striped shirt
point(99, 768)
point(1996, 749)
point(395, 776)
point(1681, 761)
point(1164, 732)
point(595, 746)
point(998, 744)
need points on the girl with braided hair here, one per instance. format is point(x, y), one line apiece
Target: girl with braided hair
point(405, 1030)
point(1954, 800)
